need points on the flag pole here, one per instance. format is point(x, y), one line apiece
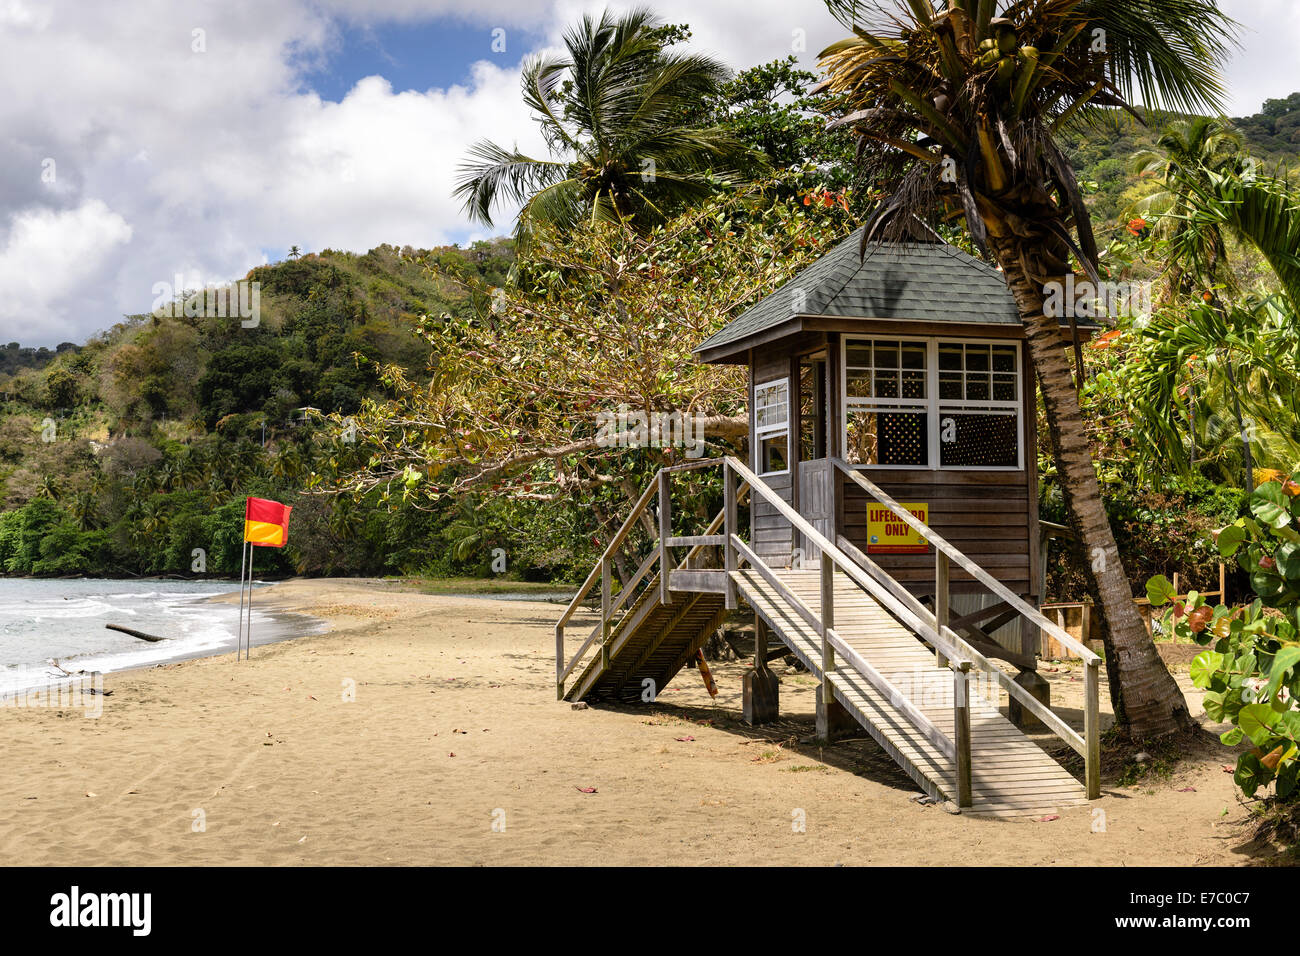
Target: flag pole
point(248, 650)
point(243, 564)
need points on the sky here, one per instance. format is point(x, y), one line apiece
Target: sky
point(142, 140)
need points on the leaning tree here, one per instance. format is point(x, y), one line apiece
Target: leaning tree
point(958, 108)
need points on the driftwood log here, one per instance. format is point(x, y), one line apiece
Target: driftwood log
point(151, 638)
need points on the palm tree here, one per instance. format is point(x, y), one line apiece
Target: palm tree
point(294, 252)
point(613, 114)
point(957, 110)
point(288, 462)
point(1263, 212)
point(1185, 154)
point(49, 487)
point(189, 469)
point(1198, 376)
point(85, 510)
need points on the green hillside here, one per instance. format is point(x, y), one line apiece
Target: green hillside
point(1102, 155)
point(126, 454)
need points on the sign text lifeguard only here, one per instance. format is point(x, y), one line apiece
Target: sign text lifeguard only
point(889, 534)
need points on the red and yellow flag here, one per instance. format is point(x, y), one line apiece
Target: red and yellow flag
point(266, 523)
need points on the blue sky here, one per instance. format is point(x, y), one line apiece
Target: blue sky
point(154, 138)
point(412, 56)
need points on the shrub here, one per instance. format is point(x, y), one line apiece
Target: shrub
point(1251, 669)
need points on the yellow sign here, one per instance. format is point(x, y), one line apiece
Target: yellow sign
point(887, 533)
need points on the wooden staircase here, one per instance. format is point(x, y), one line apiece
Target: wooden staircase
point(652, 642)
point(890, 661)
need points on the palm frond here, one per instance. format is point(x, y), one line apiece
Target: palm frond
point(492, 172)
point(1167, 52)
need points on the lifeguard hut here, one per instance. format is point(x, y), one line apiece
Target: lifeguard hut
point(893, 541)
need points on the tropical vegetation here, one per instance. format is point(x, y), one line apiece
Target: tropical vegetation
point(428, 410)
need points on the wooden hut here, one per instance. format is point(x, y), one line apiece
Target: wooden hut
point(894, 535)
point(911, 365)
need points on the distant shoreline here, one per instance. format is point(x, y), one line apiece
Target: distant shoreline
point(26, 668)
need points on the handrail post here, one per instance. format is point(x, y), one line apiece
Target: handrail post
point(665, 532)
point(1092, 728)
point(961, 730)
point(828, 622)
point(606, 567)
point(559, 662)
point(729, 521)
point(942, 572)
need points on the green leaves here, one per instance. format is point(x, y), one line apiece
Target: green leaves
point(1249, 774)
point(1230, 539)
point(1256, 722)
point(1160, 591)
point(1250, 677)
point(1283, 663)
point(1271, 505)
point(1214, 707)
point(1204, 666)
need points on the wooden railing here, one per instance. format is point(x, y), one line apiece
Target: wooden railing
point(931, 626)
point(945, 554)
point(957, 750)
point(659, 558)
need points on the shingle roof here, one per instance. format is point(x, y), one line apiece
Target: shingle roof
point(921, 281)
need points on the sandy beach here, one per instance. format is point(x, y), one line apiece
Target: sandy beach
point(424, 729)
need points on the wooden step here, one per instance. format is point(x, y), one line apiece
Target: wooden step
point(652, 640)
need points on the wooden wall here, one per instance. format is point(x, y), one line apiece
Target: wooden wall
point(985, 515)
point(769, 533)
point(990, 516)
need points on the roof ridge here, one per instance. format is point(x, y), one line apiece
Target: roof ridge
point(961, 254)
point(852, 272)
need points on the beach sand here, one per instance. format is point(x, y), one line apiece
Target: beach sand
point(453, 750)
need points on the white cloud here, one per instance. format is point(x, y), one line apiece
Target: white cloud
point(214, 157)
point(1265, 68)
point(51, 266)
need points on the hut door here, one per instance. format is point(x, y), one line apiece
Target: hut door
point(816, 501)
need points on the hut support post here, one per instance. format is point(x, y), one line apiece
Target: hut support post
point(761, 691)
point(831, 714)
point(961, 730)
point(1092, 728)
point(606, 571)
point(729, 529)
point(559, 662)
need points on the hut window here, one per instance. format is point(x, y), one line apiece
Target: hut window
point(979, 404)
point(887, 408)
point(772, 426)
point(932, 403)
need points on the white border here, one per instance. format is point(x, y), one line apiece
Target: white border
point(932, 403)
point(768, 431)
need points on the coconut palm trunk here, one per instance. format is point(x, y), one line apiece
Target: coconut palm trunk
point(1143, 694)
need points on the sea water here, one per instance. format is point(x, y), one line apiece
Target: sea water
point(43, 621)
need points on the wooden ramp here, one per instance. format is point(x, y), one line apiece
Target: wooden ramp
point(1010, 774)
